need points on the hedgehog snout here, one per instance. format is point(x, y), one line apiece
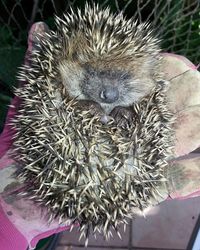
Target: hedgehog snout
point(109, 94)
point(105, 119)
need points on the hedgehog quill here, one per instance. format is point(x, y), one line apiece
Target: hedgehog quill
point(94, 131)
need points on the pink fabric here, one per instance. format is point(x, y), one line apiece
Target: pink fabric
point(10, 238)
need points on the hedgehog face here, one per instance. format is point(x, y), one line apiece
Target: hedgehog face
point(109, 86)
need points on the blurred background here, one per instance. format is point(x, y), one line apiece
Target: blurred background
point(176, 21)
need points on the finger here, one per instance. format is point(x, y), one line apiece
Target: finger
point(184, 91)
point(184, 177)
point(183, 180)
point(187, 131)
point(37, 30)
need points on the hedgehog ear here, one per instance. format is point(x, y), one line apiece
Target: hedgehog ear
point(37, 32)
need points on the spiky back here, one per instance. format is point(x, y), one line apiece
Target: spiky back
point(79, 169)
point(71, 162)
point(97, 32)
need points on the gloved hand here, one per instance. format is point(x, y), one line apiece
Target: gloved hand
point(24, 223)
point(184, 101)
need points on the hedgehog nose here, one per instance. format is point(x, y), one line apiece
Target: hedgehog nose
point(109, 94)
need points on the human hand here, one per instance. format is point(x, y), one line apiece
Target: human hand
point(183, 172)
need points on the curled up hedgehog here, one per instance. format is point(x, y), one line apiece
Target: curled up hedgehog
point(93, 132)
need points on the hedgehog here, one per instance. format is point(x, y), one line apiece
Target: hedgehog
point(93, 131)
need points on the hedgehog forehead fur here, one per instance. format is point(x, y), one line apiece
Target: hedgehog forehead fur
point(75, 165)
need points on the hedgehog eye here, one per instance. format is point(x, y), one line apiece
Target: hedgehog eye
point(126, 76)
point(89, 70)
